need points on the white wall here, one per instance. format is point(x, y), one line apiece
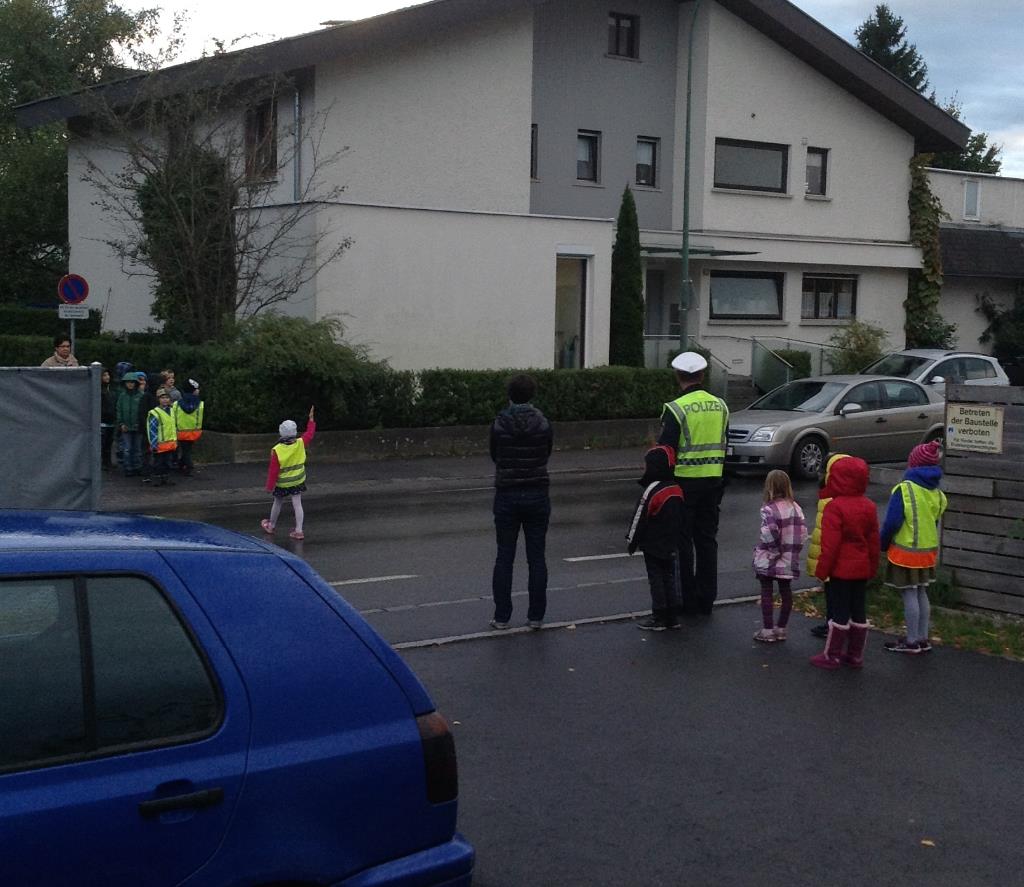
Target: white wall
point(124, 299)
point(426, 288)
point(959, 301)
point(443, 122)
point(1000, 199)
point(758, 91)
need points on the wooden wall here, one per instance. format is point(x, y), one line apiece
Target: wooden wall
point(983, 530)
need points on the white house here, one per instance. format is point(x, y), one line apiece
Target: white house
point(489, 143)
point(982, 243)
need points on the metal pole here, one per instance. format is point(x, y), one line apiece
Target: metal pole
point(686, 291)
point(72, 336)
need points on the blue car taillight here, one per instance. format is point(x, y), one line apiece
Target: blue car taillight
point(442, 772)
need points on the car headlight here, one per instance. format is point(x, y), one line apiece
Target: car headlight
point(764, 434)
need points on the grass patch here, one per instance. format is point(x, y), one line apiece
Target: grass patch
point(992, 634)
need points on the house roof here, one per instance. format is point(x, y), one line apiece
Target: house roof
point(982, 252)
point(933, 129)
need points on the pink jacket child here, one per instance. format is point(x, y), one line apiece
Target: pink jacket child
point(286, 476)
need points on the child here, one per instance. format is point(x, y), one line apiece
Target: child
point(848, 558)
point(108, 418)
point(127, 411)
point(655, 531)
point(824, 494)
point(188, 417)
point(911, 540)
point(286, 477)
point(163, 436)
point(777, 554)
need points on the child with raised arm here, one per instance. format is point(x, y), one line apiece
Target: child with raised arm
point(286, 477)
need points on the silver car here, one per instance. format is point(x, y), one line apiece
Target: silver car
point(796, 426)
point(935, 367)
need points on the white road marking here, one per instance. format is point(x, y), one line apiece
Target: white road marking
point(373, 579)
point(598, 557)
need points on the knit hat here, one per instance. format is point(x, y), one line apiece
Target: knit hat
point(925, 454)
point(163, 392)
point(287, 429)
point(658, 464)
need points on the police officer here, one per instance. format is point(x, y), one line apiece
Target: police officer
point(695, 425)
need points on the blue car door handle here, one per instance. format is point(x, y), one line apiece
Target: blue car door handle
point(191, 801)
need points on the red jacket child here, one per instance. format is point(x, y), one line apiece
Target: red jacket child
point(849, 525)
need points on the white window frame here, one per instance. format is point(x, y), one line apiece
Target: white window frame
point(593, 137)
point(975, 185)
point(655, 146)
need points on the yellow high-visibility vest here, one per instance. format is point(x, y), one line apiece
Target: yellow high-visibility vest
point(916, 543)
point(167, 433)
point(292, 460)
point(190, 425)
point(703, 420)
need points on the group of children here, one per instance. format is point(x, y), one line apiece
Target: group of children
point(844, 552)
point(155, 433)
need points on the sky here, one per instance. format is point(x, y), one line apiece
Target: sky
point(972, 47)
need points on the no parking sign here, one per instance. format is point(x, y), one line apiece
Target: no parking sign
point(73, 289)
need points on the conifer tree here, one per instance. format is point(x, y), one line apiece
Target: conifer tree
point(883, 37)
point(626, 345)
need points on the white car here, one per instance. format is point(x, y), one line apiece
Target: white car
point(936, 367)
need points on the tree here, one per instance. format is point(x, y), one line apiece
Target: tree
point(977, 156)
point(48, 47)
point(195, 197)
point(883, 37)
point(626, 344)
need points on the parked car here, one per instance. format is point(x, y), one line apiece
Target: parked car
point(934, 366)
point(186, 704)
point(795, 426)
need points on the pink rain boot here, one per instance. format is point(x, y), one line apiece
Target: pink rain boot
point(854, 655)
point(834, 644)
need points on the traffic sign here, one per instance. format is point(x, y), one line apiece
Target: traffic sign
point(72, 312)
point(73, 289)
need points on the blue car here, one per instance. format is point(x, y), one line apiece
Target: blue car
point(180, 704)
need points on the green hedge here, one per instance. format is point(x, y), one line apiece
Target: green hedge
point(799, 360)
point(18, 321)
point(251, 385)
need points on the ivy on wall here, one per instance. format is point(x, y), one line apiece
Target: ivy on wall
point(924, 325)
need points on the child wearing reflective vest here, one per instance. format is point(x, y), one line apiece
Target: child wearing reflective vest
point(910, 538)
point(163, 436)
point(188, 416)
point(286, 477)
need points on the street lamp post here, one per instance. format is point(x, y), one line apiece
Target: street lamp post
point(686, 291)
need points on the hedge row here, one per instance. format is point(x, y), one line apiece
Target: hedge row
point(18, 321)
point(250, 386)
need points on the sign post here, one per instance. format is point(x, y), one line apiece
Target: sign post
point(73, 290)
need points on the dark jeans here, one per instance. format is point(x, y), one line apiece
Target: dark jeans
point(162, 465)
point(664, 580)
point(529, 508)
point(848, 600)
point(698, 549)
point(767, 601)
point(185, 456)
point(132, 441)
point(106, 440)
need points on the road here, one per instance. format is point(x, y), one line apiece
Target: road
point(417, 562)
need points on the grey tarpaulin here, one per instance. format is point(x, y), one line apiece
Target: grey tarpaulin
point(50, 427)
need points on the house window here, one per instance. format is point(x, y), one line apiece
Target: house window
point(972, 200)
point(647, 162)
point(828, 297)
point(817, 171)
point(751, 166)
point(588, 148)
point(746, 295)
point(533, 150)
point(622, 35)
point(261, 140)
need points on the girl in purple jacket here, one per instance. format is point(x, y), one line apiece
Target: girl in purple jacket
point(777, 554)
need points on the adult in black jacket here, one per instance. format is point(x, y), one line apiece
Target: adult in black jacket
point(521, 440)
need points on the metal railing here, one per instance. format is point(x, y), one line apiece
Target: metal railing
point(820, 353)
point(767, 369)
point(658, 351)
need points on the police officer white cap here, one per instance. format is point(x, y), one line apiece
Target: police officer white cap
point(689, 362)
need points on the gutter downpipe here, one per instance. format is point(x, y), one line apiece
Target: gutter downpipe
point(686, 292)
point(297, 146)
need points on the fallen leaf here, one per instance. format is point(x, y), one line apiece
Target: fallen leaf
point(571, 627)
point(572, 669)
point(926, 842)
point(456, 723)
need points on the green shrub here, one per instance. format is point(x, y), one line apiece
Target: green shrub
point(19, 321)
point(856, 345)
point(799, 360)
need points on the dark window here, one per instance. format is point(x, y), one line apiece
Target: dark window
point(751, 166)
point(150, 682)
point(533, 150)
point(95, 665)
point(588, 155)
point(976, 368)
point(662, 308)
point(868, 395)
point(41, 711)
point(622, 35)
point(829, 297)
point(904, 394)
point(647, 162)
point(817, 171)
point(746, 295)
point(261, 140)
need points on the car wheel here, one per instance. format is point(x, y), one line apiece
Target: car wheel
point(809, 458)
